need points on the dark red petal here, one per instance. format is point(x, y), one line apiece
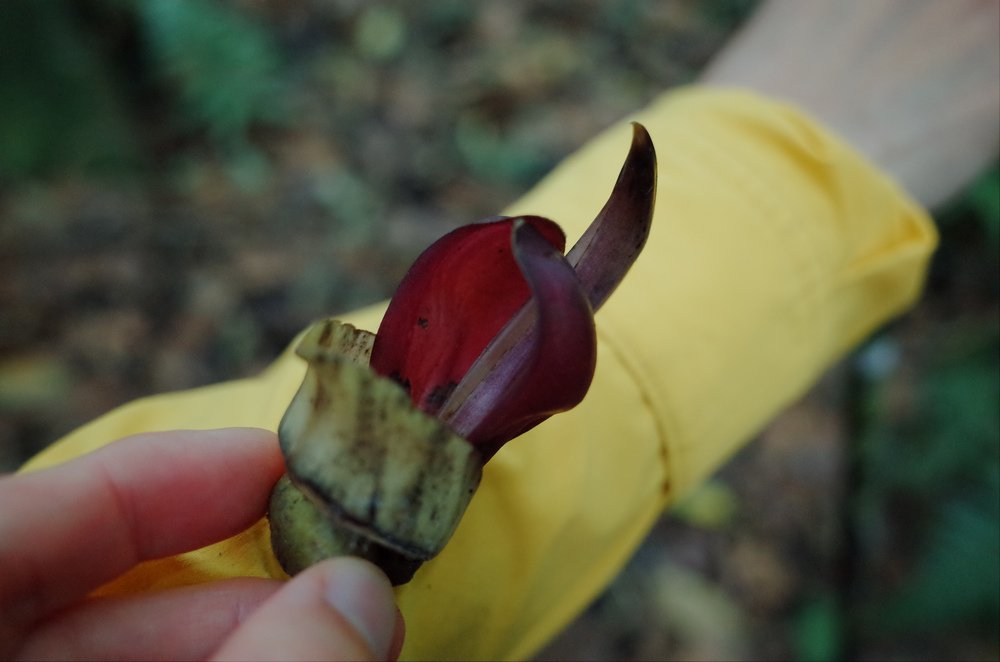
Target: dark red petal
point(540, 364)
point(453, 301)
point(610, 245)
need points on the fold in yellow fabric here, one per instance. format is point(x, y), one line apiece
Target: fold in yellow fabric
point(774, 249)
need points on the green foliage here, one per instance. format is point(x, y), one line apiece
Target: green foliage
point(380, 33)
point(494, 156)
point(980, 205)
point(944, 462)
point(224, 67)
point(711, 505)
point(956, 427)
point(818, 630)
point(58, 103)
point(984, 198)
point(957, 576)
point(65, 102)
point(728, 13)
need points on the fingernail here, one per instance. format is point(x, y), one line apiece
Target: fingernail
point(363, 594)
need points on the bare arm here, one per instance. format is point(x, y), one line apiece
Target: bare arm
point(913, 84)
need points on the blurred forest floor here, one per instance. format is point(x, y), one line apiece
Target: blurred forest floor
point(185, 185)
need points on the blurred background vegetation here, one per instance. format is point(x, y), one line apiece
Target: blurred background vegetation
point(184, 185)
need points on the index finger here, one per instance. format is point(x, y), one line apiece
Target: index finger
point(66, 530)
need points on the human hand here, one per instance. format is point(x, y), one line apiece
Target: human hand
point(67, 530)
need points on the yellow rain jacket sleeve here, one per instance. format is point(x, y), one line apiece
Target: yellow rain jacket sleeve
point(774, 249)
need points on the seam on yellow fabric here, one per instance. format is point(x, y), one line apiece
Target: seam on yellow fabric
point(714, 161)
point(771, 218)
point(755, 126)
point(657, 414)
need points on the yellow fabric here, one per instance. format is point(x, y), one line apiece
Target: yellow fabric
point(774, 249)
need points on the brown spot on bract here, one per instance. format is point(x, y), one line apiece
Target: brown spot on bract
point(402, 381)
point(324, 337)
point(422, 322)
point(320, 400)
point(439, 394)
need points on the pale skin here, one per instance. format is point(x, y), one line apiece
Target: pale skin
point(912, 84)
point(67, 530)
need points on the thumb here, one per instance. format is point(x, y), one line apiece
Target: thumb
point(340, 609)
